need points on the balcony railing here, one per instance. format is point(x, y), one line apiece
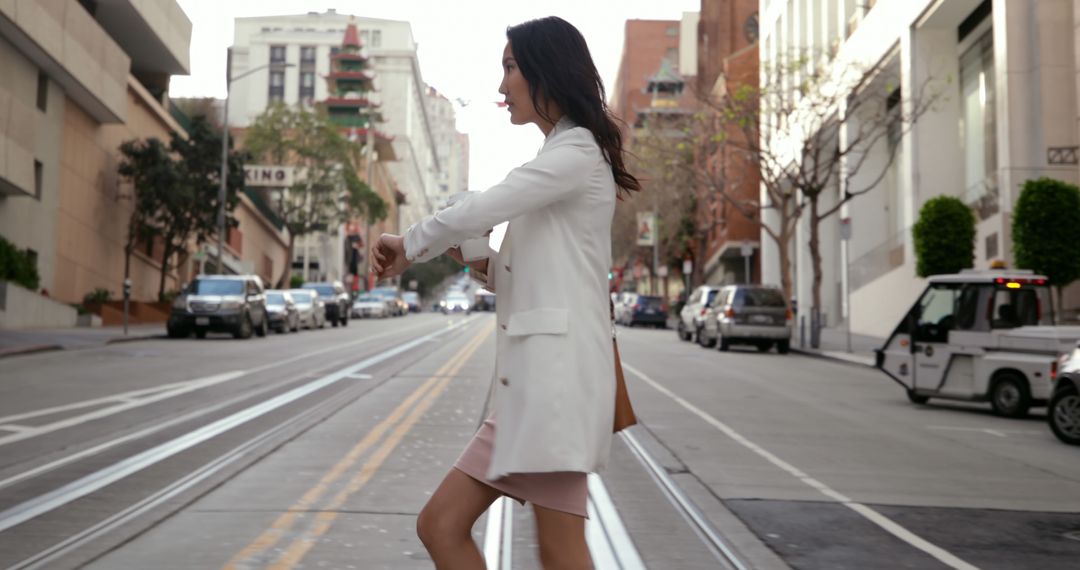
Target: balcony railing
point(878, 261)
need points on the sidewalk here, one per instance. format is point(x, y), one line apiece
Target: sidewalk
point(834, 346)
point(26, 341)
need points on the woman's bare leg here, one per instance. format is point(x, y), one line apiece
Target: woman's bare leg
point(445, 523)
point(562, 540)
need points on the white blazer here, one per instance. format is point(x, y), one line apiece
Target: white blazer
point(555, 390)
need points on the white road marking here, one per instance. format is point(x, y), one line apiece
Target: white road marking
point(942, 555)
point(15, 428)
point(187, 387)
point(997, 432)
point(609, 542)
point(499, 535)
point(92, 482)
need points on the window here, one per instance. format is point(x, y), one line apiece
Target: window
point(672, 56)
point(672, 31)
point(277, 54)
point(307, 86)
point(307, 54)
point(39, 174)
point(992, 246)
point(42, 91)
point(277, 86)
point(978, 125)
point(1027, 306)
point(934, 313)
point(365, 36)
point(376, 38)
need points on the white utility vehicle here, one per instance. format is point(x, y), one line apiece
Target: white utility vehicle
point(980, 336)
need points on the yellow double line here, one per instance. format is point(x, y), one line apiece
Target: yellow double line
point(426, 394)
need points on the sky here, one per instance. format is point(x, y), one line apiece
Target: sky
point(460, 45)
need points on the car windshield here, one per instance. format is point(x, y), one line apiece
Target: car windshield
point(368, 299)
point(322, 290)
point(217, 287)
point(761, 298)
point(410, 297)
point(275, 299)
point(457, 298)
point(302, 297)
point(650, 301)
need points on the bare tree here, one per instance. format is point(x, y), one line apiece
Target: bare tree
point(808, 131)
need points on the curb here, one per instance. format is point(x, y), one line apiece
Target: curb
point(823, 356)
point(133, 338)
point(31, 349)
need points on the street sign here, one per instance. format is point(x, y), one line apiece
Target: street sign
point(687, 266)
point(662, 271)
point(747, 248)
point(845, 229)
point(646, 228)
point(272, 176)
point(413, 284)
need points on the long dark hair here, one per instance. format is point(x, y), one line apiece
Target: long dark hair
point(554, 58)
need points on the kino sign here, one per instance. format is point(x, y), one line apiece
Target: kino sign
point(269, 176)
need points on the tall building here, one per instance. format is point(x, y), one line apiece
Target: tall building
point(79, 79)
point(727, 60)
point(1008, 113)
point(451, 147)
point(307, 41)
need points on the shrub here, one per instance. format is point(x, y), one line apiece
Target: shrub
point(17, 266)
point(98, 296)
point(296, 281)
point(944, 237)
point(1044, 227)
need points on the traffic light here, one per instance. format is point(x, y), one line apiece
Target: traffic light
point(466, 269)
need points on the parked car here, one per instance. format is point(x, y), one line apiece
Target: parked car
point(748, 314)
point(310, 307)
point(392, 296)
point(1063, 412)
point(221, 303)
point(369, 306)
point(982, 336)
point(412, 299)
point(336, 298)
point(692, 315)
point(647, 310)
point(455, 302)
point(281, 311)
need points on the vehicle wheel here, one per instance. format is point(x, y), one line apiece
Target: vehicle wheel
point(764, 346)
point(176, 332)
point(915, 398)
point(1064, 415)
point(1009, 395)
point(262, 330)
point(705, 342)
point(344, 322)
point(783, 347)
point(723, 344)
point(200, 333)
point(322, 324)
point(296, 325)
point(245, 329)
point(282, 329)
point(334, 323)
point(681, 330)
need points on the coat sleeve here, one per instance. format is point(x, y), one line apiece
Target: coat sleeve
point(554, 175)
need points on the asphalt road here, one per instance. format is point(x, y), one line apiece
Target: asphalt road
point(318, 449)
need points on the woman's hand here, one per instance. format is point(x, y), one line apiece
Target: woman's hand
point(479, 266)
point(388, 256)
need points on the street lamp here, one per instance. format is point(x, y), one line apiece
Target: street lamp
point(225, 152)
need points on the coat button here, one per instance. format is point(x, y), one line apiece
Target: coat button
point(504, 381)
point(507, 267)
point(503, 327)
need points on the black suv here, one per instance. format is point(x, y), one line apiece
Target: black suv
point(220, 303)
point(336, 299)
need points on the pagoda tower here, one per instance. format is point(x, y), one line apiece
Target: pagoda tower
point(348, 84)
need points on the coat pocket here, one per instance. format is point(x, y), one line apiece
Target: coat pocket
point(538, 321)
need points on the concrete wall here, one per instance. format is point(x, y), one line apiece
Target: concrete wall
point(21, 308)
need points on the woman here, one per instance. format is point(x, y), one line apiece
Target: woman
point(555, 393)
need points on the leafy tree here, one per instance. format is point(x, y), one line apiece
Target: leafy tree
point(327, 190)
point(16, 266)
point(944, 237)
point(1044, 231)
point(175, 192)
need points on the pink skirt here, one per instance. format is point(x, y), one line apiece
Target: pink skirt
point(565, 491)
